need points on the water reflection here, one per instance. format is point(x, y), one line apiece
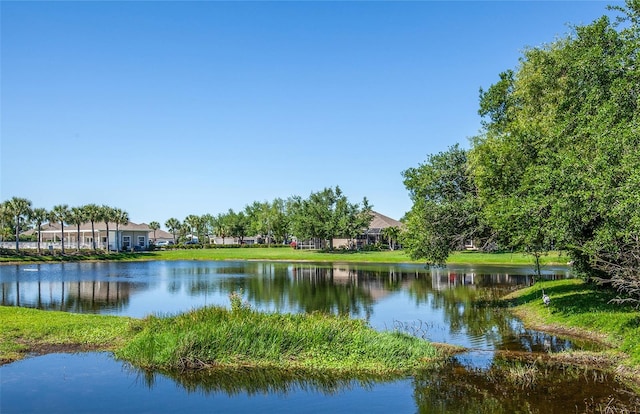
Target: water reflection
point(252, 381)
point(454, 305)
point(97, 383)
point(510, 387)
point(38, 290)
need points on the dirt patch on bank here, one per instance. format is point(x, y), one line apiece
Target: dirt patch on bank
point(563, 331)
point(38, 349)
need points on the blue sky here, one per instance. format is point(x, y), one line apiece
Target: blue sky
point(166, 109)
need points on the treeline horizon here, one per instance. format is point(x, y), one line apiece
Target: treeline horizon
point(324, 215)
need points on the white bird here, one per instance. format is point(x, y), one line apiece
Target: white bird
point(545, 298)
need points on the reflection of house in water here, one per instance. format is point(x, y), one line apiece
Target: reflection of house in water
point(82, 297)
point(444, 278)
point(374, 283)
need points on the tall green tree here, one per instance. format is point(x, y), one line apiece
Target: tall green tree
point(556, 165)
point(154, 225)
point(39, 216)
point(77, 216)
point(445, 211)
point(20, 209)
point(328, 214)
point(173, 225)
point(223, 226)
point(5, 220)
point(120, 217)
point(268, 220)
point(279, 221)
point(391, 234)
point(259, 220)
point(60, 213)
point(208, 226)
point(238, 225)
point(93, 213)
point(107, 215)
point(195, 224)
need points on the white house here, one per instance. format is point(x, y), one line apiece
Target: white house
point(127, 237)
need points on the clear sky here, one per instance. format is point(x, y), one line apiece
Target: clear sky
point(166, 109)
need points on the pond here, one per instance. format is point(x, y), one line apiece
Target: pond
point(453, 305)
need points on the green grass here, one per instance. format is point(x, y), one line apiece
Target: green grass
point(580, 308)
point(216, 337)
point(25, 330)
point(288, 254)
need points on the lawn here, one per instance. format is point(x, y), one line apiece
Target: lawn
point(581, 309)
point(287, 254)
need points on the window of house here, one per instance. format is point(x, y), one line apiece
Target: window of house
point(126, 242)
point(141, 241)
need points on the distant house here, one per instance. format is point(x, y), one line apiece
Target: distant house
point(234, 240)
point(372, 235)
point(129, 236)
point(378, 224)
point(161, 235)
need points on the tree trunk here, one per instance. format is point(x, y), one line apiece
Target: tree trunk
point(62, 231)
point(17, 233)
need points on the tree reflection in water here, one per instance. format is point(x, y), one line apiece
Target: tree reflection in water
point(501, 389)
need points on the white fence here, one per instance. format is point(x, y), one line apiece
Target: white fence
point(46, 246)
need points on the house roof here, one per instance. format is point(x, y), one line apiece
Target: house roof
point(98, 226)
point(44, 227)
point(161, 235)
point(380, 221)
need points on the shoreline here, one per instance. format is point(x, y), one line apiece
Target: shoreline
point(288, 255)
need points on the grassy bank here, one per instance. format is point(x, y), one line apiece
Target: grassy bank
point(24, 331)
point(217, 337)
point(286, 254)
point(581, 309)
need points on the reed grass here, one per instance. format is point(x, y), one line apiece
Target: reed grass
point(217, 337)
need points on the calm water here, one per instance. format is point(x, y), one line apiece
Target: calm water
point(452, 305)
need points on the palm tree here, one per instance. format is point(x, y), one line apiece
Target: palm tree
point(207, 226)
point(173, 225)
point(92, 212)
point(19, 208)
point(77, 216)
point(60, 213)
point(191, 222)
point(39, 216)
point(392, 234)
point(223, 224)
point(107, 215)
point(154, 225)
point(5, 217)
point(119, 217)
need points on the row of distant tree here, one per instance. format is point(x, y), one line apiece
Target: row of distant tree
point(557, 164)
point(324, 215)
point(17, 215)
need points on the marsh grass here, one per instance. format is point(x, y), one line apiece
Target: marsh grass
point(523, 375)
point(217, 337)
